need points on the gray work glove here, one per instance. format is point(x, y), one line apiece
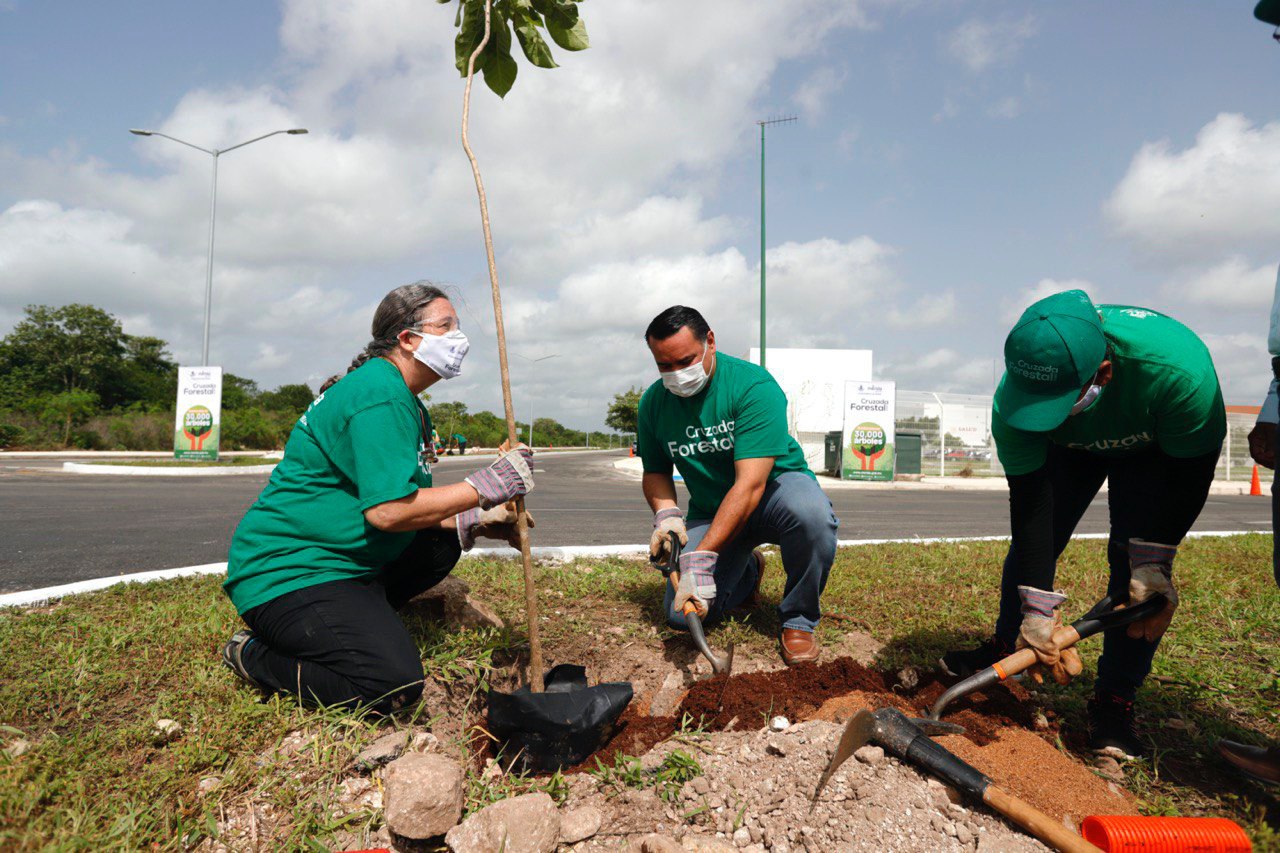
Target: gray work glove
point(697, 581)
point(497, 522)
point(1041, 616)
point(666, 522)
point(1151, 572)
point(507, 478)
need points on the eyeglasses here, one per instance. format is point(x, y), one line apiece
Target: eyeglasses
point(443, 326)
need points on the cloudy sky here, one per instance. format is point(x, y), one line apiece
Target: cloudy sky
point(951, 161)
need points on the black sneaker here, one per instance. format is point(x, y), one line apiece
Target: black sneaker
point(232, 654)
point(1111, 729)
point(965, 663)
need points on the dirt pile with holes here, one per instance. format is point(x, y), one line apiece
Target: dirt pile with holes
point(756, 783)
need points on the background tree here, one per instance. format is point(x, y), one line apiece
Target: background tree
point(624, 411)
point(68, 409)
point(65, 349)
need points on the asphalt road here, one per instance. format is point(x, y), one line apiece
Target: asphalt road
point(57, 528)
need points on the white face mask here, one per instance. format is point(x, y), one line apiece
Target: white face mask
point(1091, 395)
point(442, 353)
point(687, 381)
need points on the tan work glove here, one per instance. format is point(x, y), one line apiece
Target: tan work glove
point(497, 522)
point(1151, 572)
point(1040, 618)
point(666, 522)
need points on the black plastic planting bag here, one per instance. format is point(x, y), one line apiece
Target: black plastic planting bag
point(560, 727)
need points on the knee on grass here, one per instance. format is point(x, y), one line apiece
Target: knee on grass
point(392, 690)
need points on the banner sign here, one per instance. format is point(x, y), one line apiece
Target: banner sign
point(868, 431)
point(199, 413)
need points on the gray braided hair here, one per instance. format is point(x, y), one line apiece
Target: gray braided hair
point(398, 310)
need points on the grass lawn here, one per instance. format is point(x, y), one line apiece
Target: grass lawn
point(83, 682)
point(176, 463)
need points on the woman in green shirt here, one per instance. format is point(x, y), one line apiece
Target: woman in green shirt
point(350, 526)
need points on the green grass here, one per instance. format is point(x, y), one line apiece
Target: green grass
point(176, 463)
point(85, 680)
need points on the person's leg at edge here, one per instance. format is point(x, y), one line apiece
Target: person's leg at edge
point(335, 644)
point(1275, 525)
point(735, 575)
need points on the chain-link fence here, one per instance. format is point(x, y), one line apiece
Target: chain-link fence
point(955, 433)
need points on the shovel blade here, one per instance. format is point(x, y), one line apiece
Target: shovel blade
point(857, 734)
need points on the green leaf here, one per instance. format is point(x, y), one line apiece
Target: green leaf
point(570, 38)
point(500, 73)
point(469, 35)
point(535, 49)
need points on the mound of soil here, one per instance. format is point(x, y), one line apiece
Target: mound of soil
point(1001, 737)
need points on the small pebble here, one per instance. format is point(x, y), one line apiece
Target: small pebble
point(166, 731)
point(779, 724)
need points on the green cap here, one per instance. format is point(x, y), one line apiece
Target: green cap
point(1054, 349)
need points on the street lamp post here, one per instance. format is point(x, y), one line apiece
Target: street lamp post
point(534, 361)
point(763, 124)
point(213, 207)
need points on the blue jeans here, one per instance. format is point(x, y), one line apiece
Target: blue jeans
point(794, 514)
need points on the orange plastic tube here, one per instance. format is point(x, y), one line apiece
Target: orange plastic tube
point(1129, 834)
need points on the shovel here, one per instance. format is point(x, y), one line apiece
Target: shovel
point(1102, 617)
point(720, 664)
point(902, 737)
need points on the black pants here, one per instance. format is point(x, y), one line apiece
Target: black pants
point(1150, 496)
point(341, 643)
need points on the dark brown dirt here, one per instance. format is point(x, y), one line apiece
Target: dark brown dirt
point(751, 699)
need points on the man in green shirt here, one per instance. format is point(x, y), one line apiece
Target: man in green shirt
point(351, 526)
point(1093, 393)
point(722, 422)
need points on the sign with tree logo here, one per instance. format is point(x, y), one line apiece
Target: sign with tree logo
point(868, 431)
point(199, 413)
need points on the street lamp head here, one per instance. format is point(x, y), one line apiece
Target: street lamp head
point(297, 130)
point(140, 132)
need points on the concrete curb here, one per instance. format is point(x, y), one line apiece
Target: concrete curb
point(30, 597)
point(163, 470)
point(121, 454)
point(632, 468)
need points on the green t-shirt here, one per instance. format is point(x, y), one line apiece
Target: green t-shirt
point(740, 414)
point(359, 444)
point(1163, 393)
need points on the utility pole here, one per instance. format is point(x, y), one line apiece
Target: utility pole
point(763, 124)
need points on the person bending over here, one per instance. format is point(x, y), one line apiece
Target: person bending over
point(1114, 393)
point(350, 527)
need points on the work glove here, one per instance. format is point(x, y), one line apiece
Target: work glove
point(1040, 618)
point(1151, 572)
point(507, 478)
point(666, 522)
point(498, 522)
point(697, 581)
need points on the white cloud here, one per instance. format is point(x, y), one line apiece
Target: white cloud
point(1007, 107)
point(979, 45)
point(1012, 307)
point(597, 204)
point(817, 89)
point(939, 370)
point(930, 310)
point(1242, 361)
point(1222, 194)
point(1233, 285)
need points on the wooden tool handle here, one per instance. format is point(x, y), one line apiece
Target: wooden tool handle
point(689, 606)
point(1024, 659)
point(1036, 822)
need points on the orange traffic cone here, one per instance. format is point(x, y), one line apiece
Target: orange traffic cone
point(1255, 487)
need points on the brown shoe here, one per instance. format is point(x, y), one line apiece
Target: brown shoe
point(798, 646)
point(1257, 762)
